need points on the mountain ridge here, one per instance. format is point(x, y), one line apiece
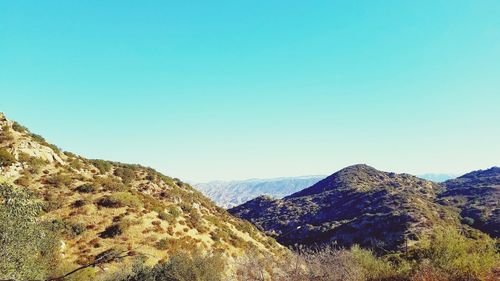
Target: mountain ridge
point(99, 205)
point(355, 205)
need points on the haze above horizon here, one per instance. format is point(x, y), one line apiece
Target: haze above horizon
point(228, 90)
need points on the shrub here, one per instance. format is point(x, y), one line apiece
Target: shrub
point(35, 164)
point(19, 128)
point(6, 158)
point(182, 267)
point(166, 217)
point(110, 184)
point(120, 199)
point(162, 244)
point(126, 174)
point(468, 221)
point(5, 134)
point(460, 258)
point(52, 202)
point(111, 231)
point(79, 203)
point(86, 188)
point(59, 180)
point(102, 165)
point(77, 228)
point(42, 141)
point(109, 202)
point(23, 181)
point(28, 249)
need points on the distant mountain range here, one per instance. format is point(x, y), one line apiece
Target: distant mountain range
point(380, 210)
point(438, 177)
point(229, 194)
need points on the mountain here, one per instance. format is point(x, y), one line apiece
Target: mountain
point(439, 178)
point(98, 206)
point(476, 195)
point(228, 194)
point(356, 205)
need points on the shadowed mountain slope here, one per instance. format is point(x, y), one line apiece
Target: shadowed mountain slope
point(476, 195)
point(356, 205)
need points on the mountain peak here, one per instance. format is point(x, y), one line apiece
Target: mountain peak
point(357, 177)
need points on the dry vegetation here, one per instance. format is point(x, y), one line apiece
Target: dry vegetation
point(60, 212)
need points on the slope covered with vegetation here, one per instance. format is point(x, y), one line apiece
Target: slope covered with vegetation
point(356, 205)
point(476, 196)
point(96, 206)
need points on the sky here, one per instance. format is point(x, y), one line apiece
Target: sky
point(225, 90)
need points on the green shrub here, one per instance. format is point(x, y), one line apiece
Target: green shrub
point(102, 165)
point(19, 128)
point(42, 141)
point(468, 221)
point(6, 135)
point(372, 268)
point(110, 184)
point(6, 158)
point(166, 217)
point(35, 164)
point(459, 257)
point(120, 199)
point(126, 174)
point(52, 203)
point(28, 249)
point(183, 267)
point(86, 188)
point(59, 180)
point(162, 244)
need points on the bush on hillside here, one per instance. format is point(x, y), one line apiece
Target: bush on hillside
point(86, 188)
point(59, 180)
point(120, 199)
point(111, 231)
point(19, 128)
point(450, 253)
point(102, 165)
point(28, 249)
point(125, 173)
point(6, 158)
point(109, 184)
point(182, 267)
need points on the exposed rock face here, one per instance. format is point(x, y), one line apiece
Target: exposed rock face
point(356, 205)
point(477, 197)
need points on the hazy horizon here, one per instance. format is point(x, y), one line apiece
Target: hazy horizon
point(215, 90)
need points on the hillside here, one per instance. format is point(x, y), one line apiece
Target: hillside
point(98, 205)
point(228, 194)
point(476, 195)
point(356, 205)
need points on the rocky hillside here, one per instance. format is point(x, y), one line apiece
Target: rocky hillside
point(228, 194)
point(356, 205)
point(476, 195)
point(100, 205)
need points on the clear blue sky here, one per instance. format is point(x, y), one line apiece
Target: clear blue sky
point(206, 90)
